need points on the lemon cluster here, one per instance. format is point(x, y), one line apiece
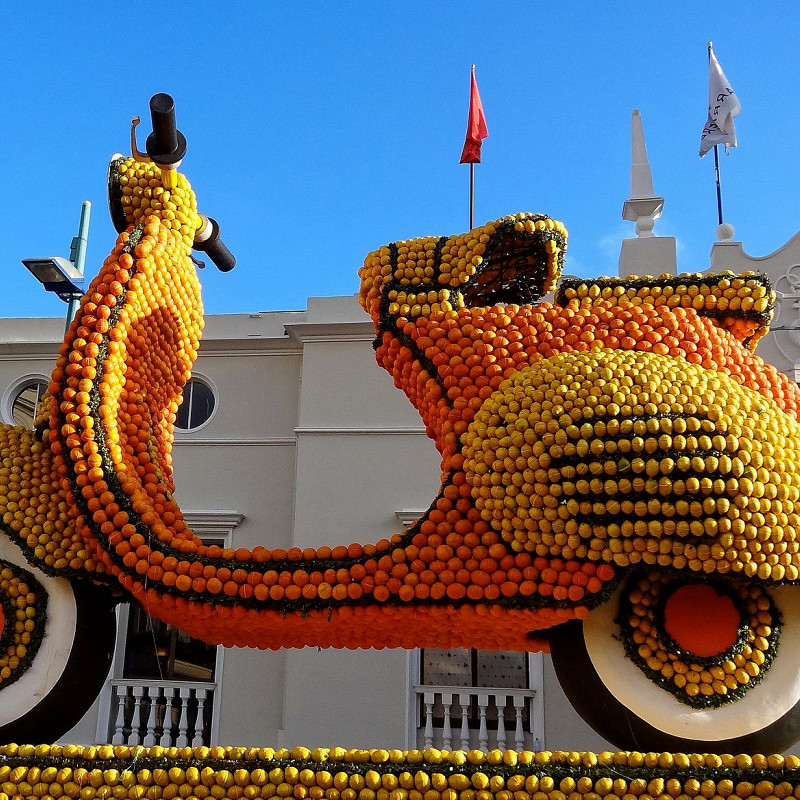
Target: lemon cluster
point(630, 457)
point(24, 605)
point(132, 773)
point(412, 263)
point(743, 303)
point(34, 507)
point(697, 681)
point(141, 194)
point(416, 276)
point(419, 303)
point(464, 255)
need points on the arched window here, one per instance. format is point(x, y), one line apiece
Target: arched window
point(197, 406)
point(24, 401)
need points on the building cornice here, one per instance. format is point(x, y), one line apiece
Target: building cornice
point(257, 346)
point(213, 521)
point(353, 431)
point(28, 351)
point(331, 332)
point(181, 440)
point(408, 516)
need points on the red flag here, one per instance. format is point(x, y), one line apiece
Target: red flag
point(476, 126)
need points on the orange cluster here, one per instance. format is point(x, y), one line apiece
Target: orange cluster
point(744, 304)
point(118, 382)
point(451, 362)
point(117, 385)
point(114, 394)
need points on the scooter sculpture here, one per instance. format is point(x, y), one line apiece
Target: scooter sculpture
point(611, 462)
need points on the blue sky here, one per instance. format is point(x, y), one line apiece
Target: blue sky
point(319, 131)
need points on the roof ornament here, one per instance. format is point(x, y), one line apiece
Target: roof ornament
point(643, 207)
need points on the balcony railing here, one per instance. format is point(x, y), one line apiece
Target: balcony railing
point(467, 717)
point(166, 713)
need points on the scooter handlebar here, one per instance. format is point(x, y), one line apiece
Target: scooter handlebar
point(214, 247)
point(166, 144)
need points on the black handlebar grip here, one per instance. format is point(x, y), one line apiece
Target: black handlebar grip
point(214, 247)
point(162, 113)
point(166, 144)
point(223, 259)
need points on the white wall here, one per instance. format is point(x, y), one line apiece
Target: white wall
point(347, 698)
point(312, 443)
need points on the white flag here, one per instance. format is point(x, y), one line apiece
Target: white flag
point(723, 106)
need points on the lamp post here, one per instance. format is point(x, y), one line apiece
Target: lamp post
point(61, 276)
point(77, 256)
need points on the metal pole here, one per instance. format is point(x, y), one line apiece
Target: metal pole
point(716, 151)
point(471, 196)
point(719, 189)
point(78, 256)
point(472, 163)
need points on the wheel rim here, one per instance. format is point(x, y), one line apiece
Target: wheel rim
point(625, 706)
point(67, 672)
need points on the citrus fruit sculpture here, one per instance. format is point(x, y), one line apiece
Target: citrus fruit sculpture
point(611, 462)
point(378, 774)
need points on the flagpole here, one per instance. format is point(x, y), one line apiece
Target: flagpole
point(719, 188)
point(476, 131)
point(471, 196)
point(716, 157)
point(472, 180)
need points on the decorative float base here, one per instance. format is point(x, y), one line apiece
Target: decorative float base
point(52, 771)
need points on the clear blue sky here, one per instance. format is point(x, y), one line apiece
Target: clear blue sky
point(318, 131)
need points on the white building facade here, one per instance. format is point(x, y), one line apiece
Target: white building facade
point(305, 442)
point(295, 437)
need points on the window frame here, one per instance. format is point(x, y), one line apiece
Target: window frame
point(211, 524)
point(170, 633)
point(204, 380)
point(14, 389)
point(535, 681)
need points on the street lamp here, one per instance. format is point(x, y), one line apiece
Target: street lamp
point(61, 276)
point(56, 274)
